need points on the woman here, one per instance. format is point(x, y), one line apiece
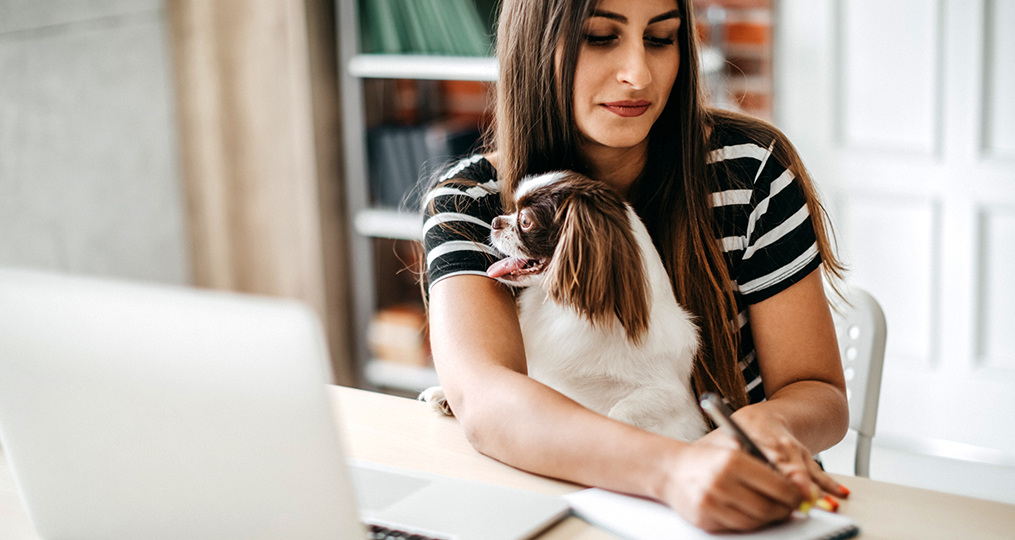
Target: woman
point(610, 88)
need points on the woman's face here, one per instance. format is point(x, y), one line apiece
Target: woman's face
point(627, 64)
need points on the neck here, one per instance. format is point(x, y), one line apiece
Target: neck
point(618, 167)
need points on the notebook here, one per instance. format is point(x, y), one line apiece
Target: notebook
point(156, 412)
point(634, 518)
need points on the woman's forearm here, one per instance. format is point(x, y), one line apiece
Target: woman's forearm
point(530, 426)
point(815, 412)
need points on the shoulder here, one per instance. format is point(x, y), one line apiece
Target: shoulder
point(463, 202)
point(747, 153)
point(475, 169)
point(747, 139)
point(470, 179)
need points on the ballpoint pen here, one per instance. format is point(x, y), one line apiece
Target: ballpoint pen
point(721, 415)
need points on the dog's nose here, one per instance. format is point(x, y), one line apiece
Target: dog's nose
point(499, 223)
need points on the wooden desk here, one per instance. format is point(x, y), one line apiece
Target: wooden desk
point(404, 433)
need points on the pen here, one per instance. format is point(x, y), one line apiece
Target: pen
point(721, 415)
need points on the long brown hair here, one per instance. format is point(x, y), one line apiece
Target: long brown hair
point(534, 131)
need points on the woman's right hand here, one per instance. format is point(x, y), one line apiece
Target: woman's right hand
point(720, 488)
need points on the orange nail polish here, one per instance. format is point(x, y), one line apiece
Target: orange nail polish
point(845, 491)
point(832, 502)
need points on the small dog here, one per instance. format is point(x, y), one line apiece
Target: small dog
point(599, 320)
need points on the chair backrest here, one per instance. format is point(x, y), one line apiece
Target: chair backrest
point(861, 331)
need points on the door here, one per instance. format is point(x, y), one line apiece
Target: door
point(904, 112)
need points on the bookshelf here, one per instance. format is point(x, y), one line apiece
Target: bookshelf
point(387, 223)
point(376, 226)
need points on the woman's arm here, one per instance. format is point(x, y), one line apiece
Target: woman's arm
point(794, 337)
point(480, 359)
point(479, 356)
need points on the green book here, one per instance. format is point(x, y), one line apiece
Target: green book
point(380, 32)
point(414, 28)
point(440, 27)
point(474, 35)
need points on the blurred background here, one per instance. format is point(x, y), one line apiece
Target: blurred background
point(272, 147)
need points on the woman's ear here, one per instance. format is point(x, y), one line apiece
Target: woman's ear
point(597, 268)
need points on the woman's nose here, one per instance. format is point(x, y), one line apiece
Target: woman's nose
point(498, 223)
point(634, 68)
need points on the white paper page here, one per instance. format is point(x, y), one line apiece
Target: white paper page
point(634, 518)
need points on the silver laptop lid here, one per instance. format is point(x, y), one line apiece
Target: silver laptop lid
point(130, 411)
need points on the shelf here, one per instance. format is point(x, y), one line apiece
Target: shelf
point(410, 66)
point(381, 223)
point(400, 376)
point(458, 68)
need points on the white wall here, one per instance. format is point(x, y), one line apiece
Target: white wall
point(88, 165)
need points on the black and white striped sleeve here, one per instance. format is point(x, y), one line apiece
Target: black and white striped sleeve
point(777, 246)
point(781, 247)
point(457, 216)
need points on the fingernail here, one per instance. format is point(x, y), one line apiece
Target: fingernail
point(843, 490)
point(824, 505)
point(831, 502)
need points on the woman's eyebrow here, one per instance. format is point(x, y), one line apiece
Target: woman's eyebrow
point(672, 14)
point(609, 15)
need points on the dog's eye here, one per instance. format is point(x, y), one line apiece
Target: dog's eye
point(524, 221)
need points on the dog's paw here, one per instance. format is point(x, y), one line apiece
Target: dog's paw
point(647, 409)
point(435, 397)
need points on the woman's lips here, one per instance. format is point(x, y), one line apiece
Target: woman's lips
point(628, 109)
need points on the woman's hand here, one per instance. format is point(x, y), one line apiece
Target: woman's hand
point(718, 487)
point(789, 455)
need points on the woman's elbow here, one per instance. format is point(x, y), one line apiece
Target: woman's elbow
point(485, 411)
point(842, 410)
point(838, 419)
point(478, 423)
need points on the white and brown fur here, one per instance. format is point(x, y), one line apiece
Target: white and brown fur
point(599, 320)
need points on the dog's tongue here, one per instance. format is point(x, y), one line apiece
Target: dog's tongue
point(504, 267)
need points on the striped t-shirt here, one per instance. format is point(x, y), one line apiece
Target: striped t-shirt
point(761, 220)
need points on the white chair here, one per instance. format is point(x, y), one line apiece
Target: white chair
point(860, 328)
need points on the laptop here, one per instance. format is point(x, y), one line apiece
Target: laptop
point(132, 411)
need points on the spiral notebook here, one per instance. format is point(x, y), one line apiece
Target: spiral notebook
point(634, 518)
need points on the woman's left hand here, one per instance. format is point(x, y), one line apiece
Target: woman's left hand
point(789, 456)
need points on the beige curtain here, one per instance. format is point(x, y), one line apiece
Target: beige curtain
point(256, 92)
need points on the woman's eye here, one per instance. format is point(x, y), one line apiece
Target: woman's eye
point(600, 39)
point(659, 41)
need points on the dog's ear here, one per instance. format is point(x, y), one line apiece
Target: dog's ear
point(597, 268)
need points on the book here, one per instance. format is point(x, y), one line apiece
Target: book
point(380, 28)
point(404, 158)
point(636, 518)
point(399, 334)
